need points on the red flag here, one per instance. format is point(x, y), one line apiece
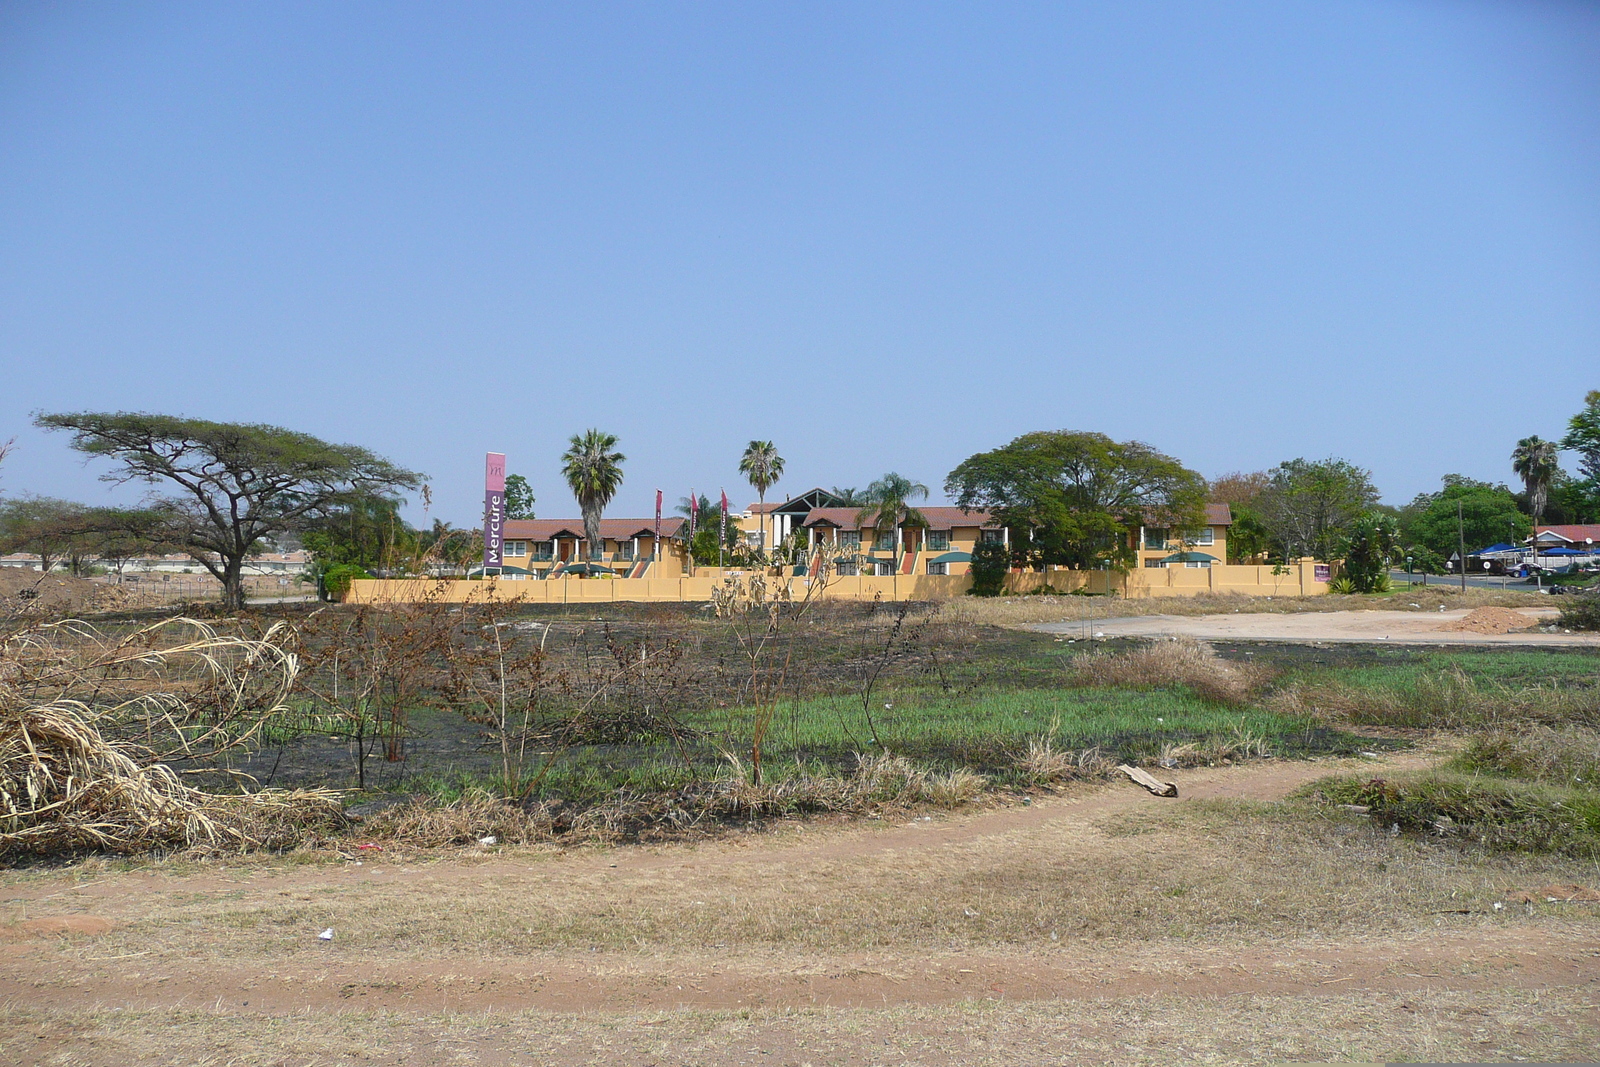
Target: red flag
point(724, 514)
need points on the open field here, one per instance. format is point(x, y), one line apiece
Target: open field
point(994, 898)
point(1098, 925)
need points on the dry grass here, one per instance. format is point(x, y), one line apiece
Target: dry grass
point(710, 805)
point(1175, 661)
point(1566, 755)
point(1544, 1025)
point(1229, 873)
point(1024, 610)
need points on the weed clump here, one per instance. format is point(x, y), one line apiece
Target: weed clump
point(1180, 661)
point(1581, 612)
point(1448, 700)
point(1499, 814)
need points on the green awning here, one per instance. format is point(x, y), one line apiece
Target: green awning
point(953, 557)
point(1190, 557)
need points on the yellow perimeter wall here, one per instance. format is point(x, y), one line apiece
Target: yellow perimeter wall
point(1145, 582)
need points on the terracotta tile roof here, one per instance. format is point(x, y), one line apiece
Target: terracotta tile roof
point(940, 518)
point(610, 529)
point(1571, 534)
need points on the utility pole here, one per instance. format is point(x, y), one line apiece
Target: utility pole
point(1461, 538)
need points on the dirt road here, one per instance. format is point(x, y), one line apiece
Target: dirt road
point(1100, 925)
point(1397, 627)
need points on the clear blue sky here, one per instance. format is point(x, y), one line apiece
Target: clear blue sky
point(885, 236)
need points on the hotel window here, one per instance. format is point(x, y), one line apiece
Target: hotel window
point(543, 549)
point(846, 569)
point(885, 569)
point(990, 537)
point(516, 548)
point(938, 568)
point(850, 539)
point(1155, 537)
point(1197, 564)
point(1206, 536)
point(938, 541)
point(624, 549)
point(884, 542)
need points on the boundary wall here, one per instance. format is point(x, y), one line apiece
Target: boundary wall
point(1300, 579)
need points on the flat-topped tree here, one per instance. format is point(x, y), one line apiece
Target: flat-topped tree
point(237, 484)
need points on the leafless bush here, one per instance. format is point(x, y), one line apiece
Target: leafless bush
point(1178, 661)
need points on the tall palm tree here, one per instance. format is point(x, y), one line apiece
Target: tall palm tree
point(848, 498)
point(888, 500)
point(762, 466)
point(1534, 460)
point(594, 473)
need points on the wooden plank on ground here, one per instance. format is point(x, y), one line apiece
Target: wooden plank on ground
point(1149, 781)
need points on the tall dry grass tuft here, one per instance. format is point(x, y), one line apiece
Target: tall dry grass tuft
point(1177, 661)
point(90, 725)
point(1044, 764)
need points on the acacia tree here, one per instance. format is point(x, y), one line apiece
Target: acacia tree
point(1308, 506)
point(237, 483)
point(1583, 436)
point(593, 470)
point(889, 500)
point(1071, 497)
point(49, 528)
point(762, 466)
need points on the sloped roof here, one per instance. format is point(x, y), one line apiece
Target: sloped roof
point(941, 518)
point(610, 529)
point(1570, 534)
point(1216, 515)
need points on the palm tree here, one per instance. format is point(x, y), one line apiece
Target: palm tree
point(1534, 460)
point(762, 466)
point(889, 498)
point(848, 498)
point(594, 472)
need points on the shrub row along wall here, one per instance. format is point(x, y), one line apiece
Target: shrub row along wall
point(1300, 580)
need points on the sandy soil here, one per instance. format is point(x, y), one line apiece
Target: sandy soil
point(1398, 627)
point(924, 941)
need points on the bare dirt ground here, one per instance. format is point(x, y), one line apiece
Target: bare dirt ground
point(1099, 925)
point(1398, 627)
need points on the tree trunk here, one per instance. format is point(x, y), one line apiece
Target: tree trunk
point(233, 585)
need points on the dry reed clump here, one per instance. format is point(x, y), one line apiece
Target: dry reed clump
point(90, 725)
point(1178, 661)
point(65, 788)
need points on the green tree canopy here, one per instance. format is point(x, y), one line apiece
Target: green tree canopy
point(1073, 497)
point(365, 530)
point(49, 528)
point(232, 485)
point(519, 498)
point(1308, 506)
point(1489, 515)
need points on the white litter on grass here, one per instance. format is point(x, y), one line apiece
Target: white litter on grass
point(1099, 633)
point(491, 839)
point(969, 913)
point(326, 935)
point(1499, 906)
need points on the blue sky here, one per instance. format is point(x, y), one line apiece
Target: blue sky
point(886, 236)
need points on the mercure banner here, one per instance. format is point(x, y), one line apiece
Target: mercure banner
point(494, 510)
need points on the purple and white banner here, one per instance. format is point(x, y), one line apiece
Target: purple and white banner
point(494, 511)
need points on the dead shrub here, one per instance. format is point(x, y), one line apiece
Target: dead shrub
point(466, 821)
point(1178, 661)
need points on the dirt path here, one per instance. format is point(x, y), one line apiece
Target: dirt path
point(132, 955)
point(1365, 627)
